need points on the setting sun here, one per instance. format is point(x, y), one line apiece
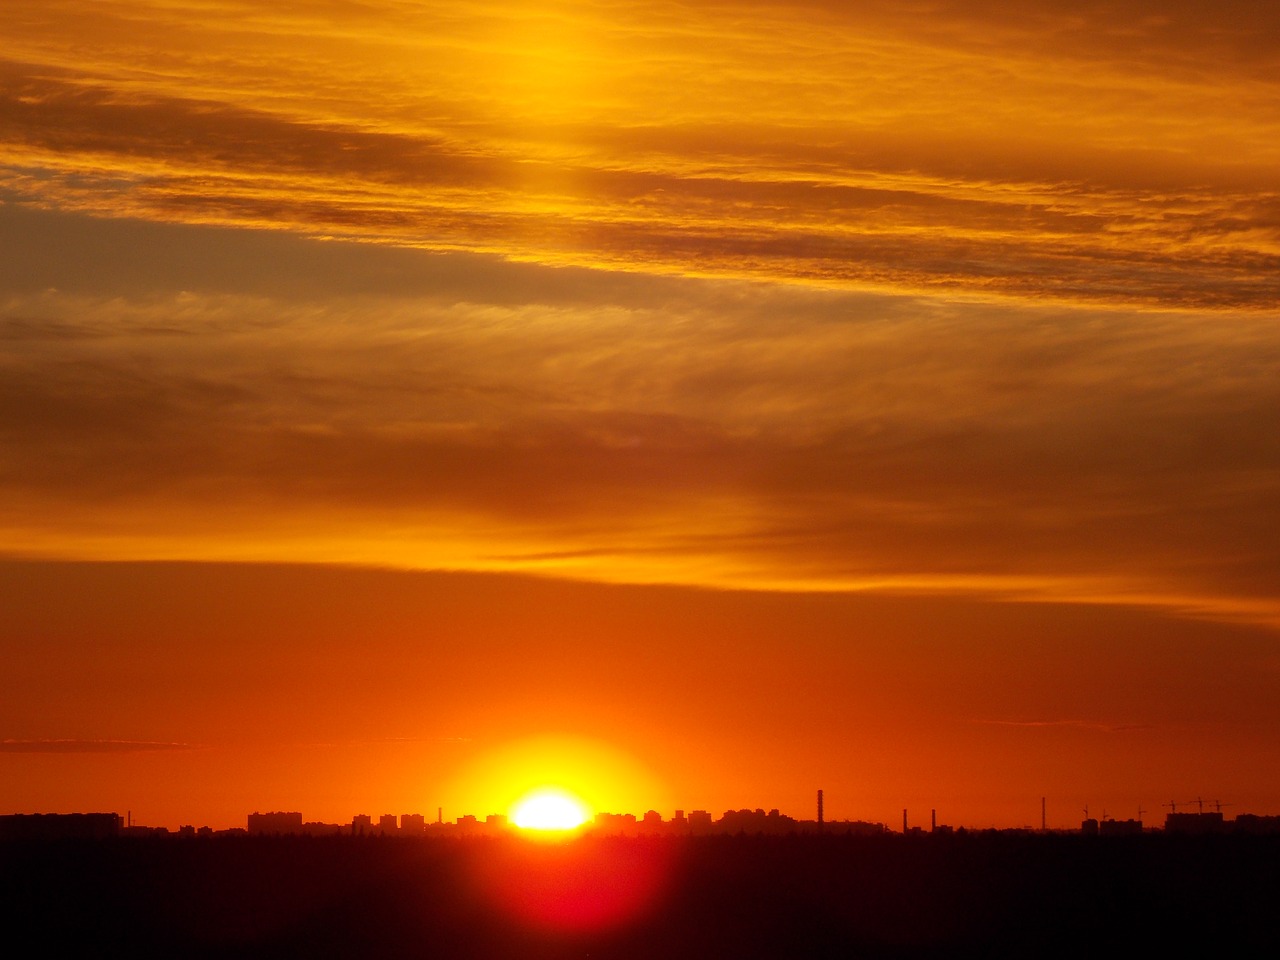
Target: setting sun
point(580, 775)
point(549, 808)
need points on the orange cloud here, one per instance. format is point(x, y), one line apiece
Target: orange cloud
point(919, 153)
point(973, 300)
point(695, 432)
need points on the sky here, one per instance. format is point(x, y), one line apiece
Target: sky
point(402, 403)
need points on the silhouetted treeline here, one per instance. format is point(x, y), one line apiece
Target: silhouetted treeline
point(974, 894)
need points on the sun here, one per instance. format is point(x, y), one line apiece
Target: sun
point(549, 808)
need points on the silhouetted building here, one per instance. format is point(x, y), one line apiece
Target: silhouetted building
point(387, 825)
point(315, 828)
point(1194, 823)
point(60, 826)
point(276, 822)
point(138, 830)
point(858, 828)
point(616, 824)
point(700, 822)
point(1120, 828)
point(361, 824)
point(413, 824)
point(1251, 823)
point(1089, 827)
point(756, 821)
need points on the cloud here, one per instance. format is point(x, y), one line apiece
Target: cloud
point(909, 303)
point(1096, 726)
point(64, 745)
point(724, 433)
point(918, 152)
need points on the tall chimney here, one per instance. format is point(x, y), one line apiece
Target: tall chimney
point(819, 808)
point(904, 819)
point(933, 820)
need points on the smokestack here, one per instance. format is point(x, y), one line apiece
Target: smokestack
point(904, 819)
point(439, 814)
point(819, 808)
point(933, 821)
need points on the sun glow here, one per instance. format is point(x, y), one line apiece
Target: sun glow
point(549, 808)
point(595, 775)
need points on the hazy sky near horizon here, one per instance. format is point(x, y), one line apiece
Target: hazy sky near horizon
point(934, 300)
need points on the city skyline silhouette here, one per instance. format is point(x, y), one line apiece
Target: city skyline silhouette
point(652, 823)
point(746, 894)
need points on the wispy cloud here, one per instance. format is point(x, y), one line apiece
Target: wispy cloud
point(975, 301)
point(817, 157)
point(1097, 726)
point(67, 745)
point(723, 433)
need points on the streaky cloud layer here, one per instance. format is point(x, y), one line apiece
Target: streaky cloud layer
point(57, 746)
point(717, 432)
point(913, 296)
point(950, 146)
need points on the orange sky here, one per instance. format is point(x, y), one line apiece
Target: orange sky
point(782, 395)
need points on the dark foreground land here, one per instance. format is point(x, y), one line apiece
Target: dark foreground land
point(717, 897)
